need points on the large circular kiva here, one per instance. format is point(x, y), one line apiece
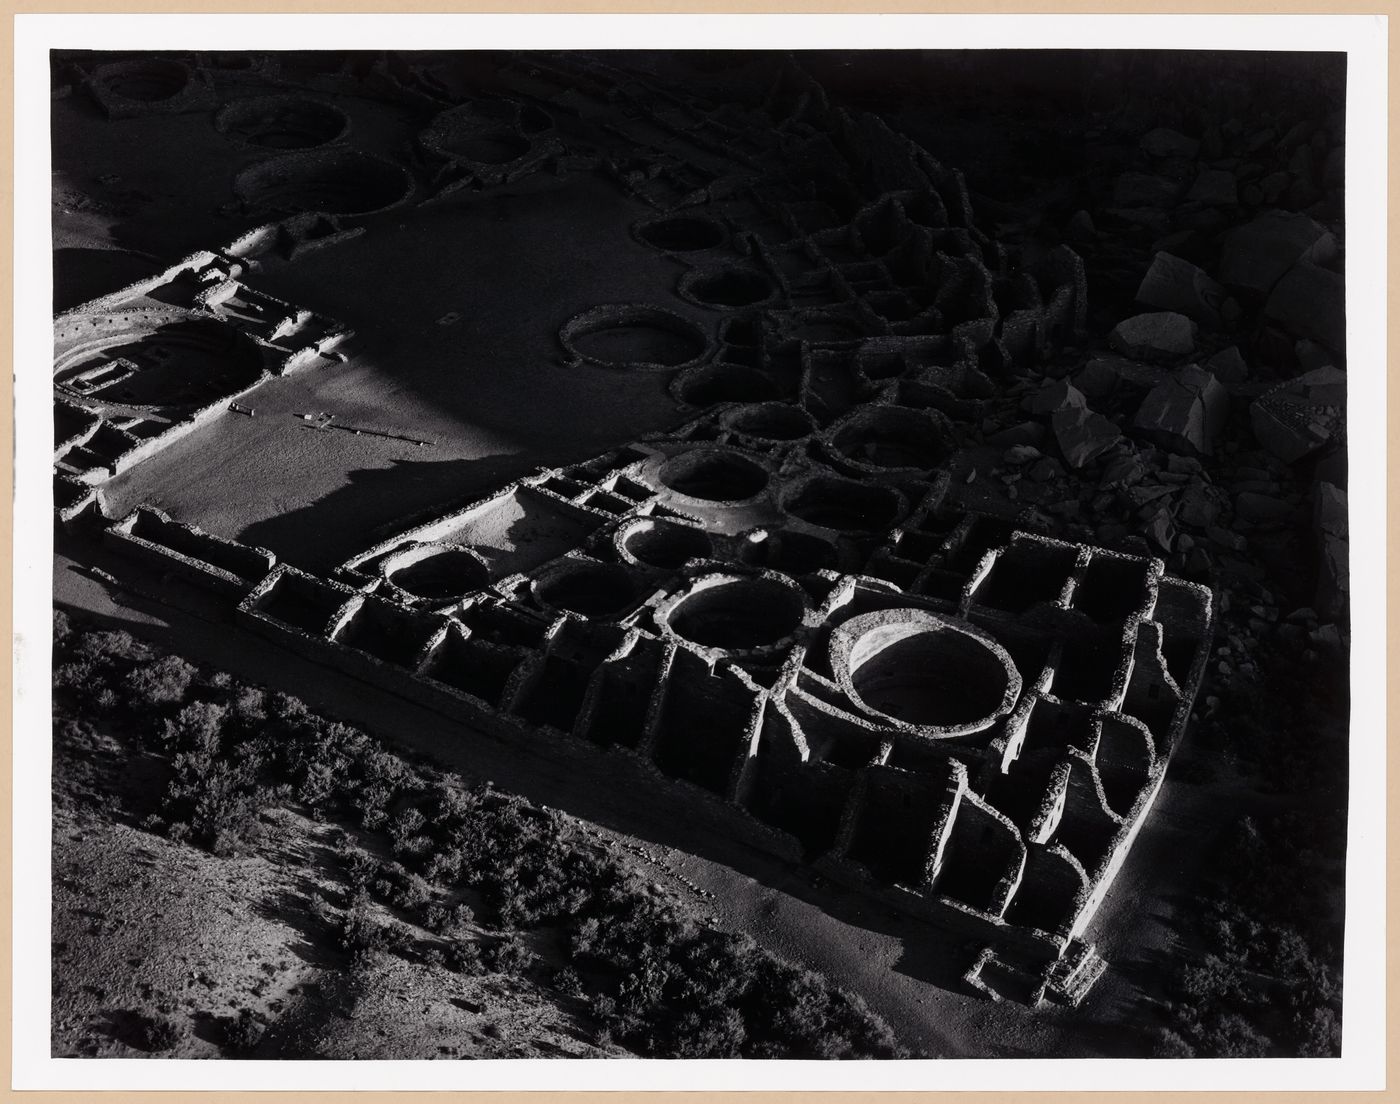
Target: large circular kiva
point(842, 505)
point(770, 421)
point(927, 674)
point(437, 572)
point(635, 336)
point(681, 233)
point(721, 382)
point(736, 613)
point(487, 132)
point(148, 80)
point(283, 122)
point(725, 288)
point(153, 358)
point(333, 181)
point(588, 588)
point(714, 475)
point(892, 437)
point(661, 544)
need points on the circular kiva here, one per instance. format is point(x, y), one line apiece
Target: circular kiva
point(922, 673)
point(588, 588)
point(770, 422)
point(533, 119)
point(154, 359)
point(889, 438)
point(634, 336)
point(736, 613)
point(714, 475)
point(725, 287)
point(486, 133)
point(681, 233)
point(437, 572)
point(283, 122)
point(796, 553)
point(660, 544)
point(721, 382)
point(842, 505)
point(144, 81)
point(333, 181)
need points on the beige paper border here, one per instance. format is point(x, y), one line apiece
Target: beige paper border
point(10, 8)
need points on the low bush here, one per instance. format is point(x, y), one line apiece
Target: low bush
point(156, 1033)
point(243, 1033)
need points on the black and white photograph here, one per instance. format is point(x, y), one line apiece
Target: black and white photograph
point(722, 552)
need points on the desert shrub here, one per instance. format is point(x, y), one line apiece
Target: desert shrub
point(1318, 1031)
point(358, 933)
point(708, 1035)
point(405, 825)
point(218, 800)
point(401, 888)
point(156, 1033)
point(112, 647)
point(196, 729)
point(1169, 1044)
point(77, 677)
point(464, 956)
point(361, 869)
point(1229, 1035)
point(162, 682)
point(243, 1033)
point(508, 955)
point(682, 991)
point(567, 982)
point(248, 708)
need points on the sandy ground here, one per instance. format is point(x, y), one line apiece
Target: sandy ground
point(489, 390)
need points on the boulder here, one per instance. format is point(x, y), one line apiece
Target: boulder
point(1330, 521)
point(1228, 367)
point(1310, 302)
point(1023, 433)
point(1080, 227)
point(1261, 509)
point(1082, 434)
point(1045, 469)
point(1330, 514)
point(1097, 379)
point(1172, 284)
point(1302, 415)
point(1200, 506)
point(1052, 396)
point(1227, 538)
point(1135, 189)
point(1185, 413)
point(1122, 471)
point(1214, 188)
point(1275, 185)
point(1257, 255)
point(1159, 530)
point(1162, 335)
point(1310, 355)
point(1164, 142)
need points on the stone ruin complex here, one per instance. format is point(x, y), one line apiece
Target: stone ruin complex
point(779, 610)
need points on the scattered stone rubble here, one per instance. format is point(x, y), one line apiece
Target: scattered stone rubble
point(797, 609)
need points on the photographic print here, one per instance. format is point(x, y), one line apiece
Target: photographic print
point(736, 553)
